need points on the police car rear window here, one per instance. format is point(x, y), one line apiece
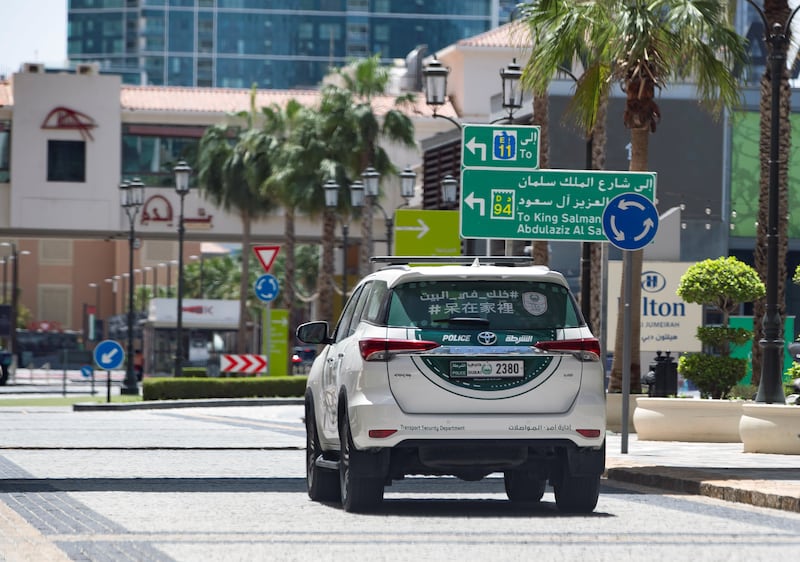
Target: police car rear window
point(500, 305)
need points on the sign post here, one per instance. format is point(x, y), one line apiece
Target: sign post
point(108, 355)
point(630, 222)
point(266, 288)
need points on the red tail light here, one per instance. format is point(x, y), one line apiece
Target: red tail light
point(589, 433)
point(379, 349)
point(586, 349)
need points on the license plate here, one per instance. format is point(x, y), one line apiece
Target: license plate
point(486, 369)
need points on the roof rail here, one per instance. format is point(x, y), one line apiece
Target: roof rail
point(468, 260)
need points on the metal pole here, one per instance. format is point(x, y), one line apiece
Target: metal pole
point(179, 323)
point(626, 346)
point(130, 385)
point(155, 282)
point(389, 232)
point(345, 231)
point(169, 279)
point(5, 280)
point(14, 302)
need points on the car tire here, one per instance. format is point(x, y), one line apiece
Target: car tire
point(322, 484)
point(577, 494)
point(523, 486)
point(358, 493)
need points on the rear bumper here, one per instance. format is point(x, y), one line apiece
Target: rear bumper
point(528, 428)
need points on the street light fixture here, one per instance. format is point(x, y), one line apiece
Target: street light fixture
point(331, 189)
point(132, 198)
point(435, 78)
point(449, 190)
point(512, 93)
point(770, 388)
point(182, 171)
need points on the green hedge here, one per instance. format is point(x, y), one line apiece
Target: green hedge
point(195, 387)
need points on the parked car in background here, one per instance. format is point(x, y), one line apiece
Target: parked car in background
point(302, 358)
point(460, 370)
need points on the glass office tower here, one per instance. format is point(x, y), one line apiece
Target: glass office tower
point(271, 43)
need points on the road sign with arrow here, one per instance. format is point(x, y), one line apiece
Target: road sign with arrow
point(630, 221)
point(426, 233)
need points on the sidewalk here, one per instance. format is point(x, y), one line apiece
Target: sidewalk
point(717, 470)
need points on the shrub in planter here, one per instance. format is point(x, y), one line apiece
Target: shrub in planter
point(723, 283)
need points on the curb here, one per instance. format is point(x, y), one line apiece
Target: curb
point(200, 403)
point(698, 482)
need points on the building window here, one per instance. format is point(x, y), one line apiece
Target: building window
point(66, 161)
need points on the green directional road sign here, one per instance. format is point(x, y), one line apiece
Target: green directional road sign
point(500, 146)
point(426, 233)
point(544, 204)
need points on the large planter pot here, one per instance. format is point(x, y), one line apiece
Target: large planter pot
point(614, 411)
point(770, 428)
point(687, 419)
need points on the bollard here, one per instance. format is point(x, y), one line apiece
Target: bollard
point(662, 378)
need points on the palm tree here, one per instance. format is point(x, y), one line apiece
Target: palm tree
point(775, 11)
point(641, 45)
point(362, 80)
point(232, 174)
point(294, 181)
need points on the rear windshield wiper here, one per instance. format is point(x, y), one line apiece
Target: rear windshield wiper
point(462, 320)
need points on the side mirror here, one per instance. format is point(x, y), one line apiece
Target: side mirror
point(313, 332)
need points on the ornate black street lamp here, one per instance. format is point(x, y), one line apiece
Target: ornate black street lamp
point(182, 171)
point(331, 188)
point(512, 93)
point(407, 181)
point(132, 198)
point(770, 388)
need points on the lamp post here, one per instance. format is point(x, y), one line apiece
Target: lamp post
point(770, 388)
point(132, 198)
point(331, 202)
point(5, 279)
point(182, 171)
point(144, 284)
point(407, 180)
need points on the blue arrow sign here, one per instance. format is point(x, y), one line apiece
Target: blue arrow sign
point(266, 288)
point(86, 371)
point(630, 221)
point(108, 355)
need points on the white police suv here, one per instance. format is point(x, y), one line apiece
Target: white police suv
point(458, 370)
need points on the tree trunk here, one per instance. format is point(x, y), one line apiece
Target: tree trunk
point(326, 267)
point(541, 117)
point(367, 243)
point(599, 142)
point(290, 274)
point(242, 339)
point(640, 138)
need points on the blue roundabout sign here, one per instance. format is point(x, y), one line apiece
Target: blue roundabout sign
point(630, 221)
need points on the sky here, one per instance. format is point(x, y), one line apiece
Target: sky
point(32, 31)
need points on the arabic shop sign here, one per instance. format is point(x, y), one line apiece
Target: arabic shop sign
point(667, 322)
point(158, 209)
point(544, 204)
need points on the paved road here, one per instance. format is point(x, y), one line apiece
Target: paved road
point(228, 484)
